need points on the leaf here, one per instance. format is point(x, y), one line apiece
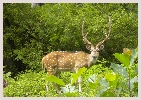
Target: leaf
point(105, 85)
point(113, 84)
point(92, 81)
point(92, 85)
point(70, 94)
point(133, 56)
point(75, 76)
point(68, 89)
point(119, 69)
point(123, 58)
point(56, 80)
point(110, 76)
point(8, 74)
point(132, 81)
point(135, 70)
point(101, 91)
point(108, 94)
point(4, 66)
point(92, 78)
point(119, 89)
point(103, 82)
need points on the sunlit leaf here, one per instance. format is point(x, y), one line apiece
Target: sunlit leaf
point(8, 74)
point(110, 76)
point(123, 58)
point(56, 80)
point(92, 85)
point(73, 94)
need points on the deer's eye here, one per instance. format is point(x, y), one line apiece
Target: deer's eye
point(97, 50)
point(101, 47)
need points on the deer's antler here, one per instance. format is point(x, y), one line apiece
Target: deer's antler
point(86, 41)
point(107, 36)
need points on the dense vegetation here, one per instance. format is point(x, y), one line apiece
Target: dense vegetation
point(29, 33)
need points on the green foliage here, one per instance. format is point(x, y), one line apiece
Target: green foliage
point(105, 82)
point(129, 79)
point(30, 33)
point(29, 84)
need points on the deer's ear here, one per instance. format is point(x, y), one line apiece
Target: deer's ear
point(101, 47)
point(88, 46)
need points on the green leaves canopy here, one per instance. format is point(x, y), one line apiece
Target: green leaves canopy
point(30, 33)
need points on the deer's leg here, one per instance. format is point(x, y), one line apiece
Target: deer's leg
point(50, 73)
point(47, 88)
point(79, 82)
point(56, 85)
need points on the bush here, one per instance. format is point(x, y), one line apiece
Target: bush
point(120, 80)
point(30, 33)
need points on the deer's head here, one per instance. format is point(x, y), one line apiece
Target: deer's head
point(95, 49)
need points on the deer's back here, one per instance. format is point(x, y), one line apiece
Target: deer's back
point(65, 61)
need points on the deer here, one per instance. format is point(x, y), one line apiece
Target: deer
point(63, 61)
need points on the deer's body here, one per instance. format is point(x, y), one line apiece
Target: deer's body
point(67, 61)
point(58, 61)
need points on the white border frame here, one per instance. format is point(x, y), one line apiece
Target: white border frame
point(69, 1)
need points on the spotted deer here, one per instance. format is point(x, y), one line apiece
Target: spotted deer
point(58, 61)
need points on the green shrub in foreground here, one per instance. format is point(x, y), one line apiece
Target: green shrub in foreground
point(120, 80)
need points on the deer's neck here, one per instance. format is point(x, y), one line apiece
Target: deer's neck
point(91, 60)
